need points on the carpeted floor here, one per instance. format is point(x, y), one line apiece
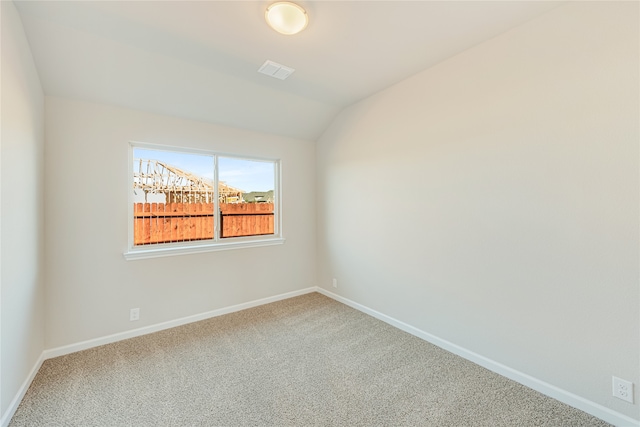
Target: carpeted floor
point(305, 361)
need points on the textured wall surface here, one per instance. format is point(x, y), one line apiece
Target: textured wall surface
point(21, 263)
point(90, 286)
point(492, 200)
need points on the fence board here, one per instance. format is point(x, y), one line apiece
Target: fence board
point(208, 224)
point(146, 223)
point(137, 223)
point(197, 210)
point(174, 222)
point(166, 225)
point(173, 234)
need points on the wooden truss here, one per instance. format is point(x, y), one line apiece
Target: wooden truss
point(156, 177)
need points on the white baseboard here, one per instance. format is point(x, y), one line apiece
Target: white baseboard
point(545, 388)
point(84, 345)
point(13, 406)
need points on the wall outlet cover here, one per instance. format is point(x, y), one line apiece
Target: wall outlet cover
point(623, 389)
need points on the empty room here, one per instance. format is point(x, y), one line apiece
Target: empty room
point(320, 213)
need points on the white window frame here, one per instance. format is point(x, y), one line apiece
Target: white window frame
point(198, 246)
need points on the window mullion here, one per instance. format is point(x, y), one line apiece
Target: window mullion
point(216, 201)
point(276, 197)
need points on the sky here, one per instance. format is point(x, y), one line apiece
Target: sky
point(247, 175)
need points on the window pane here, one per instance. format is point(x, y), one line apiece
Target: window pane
point(173, 197)
point(246, 190)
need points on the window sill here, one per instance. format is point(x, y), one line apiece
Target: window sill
point(146, 252)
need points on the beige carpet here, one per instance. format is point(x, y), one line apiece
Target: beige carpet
point(306, 361)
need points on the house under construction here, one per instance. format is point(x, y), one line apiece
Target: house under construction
point(178, 186)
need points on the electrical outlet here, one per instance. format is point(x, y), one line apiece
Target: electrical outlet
point(335, 283)
point(134, 314)
point(623, 389)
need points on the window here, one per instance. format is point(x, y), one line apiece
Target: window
point(184, 201)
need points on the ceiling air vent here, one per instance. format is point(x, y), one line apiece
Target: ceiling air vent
point(276, 70)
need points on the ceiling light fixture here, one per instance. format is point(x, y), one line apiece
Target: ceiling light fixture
point(286, 17)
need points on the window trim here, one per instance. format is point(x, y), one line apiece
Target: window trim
point(200, 246)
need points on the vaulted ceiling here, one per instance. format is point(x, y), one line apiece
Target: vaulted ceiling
point(199, 59)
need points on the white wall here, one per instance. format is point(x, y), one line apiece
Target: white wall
point(21, 280)
point(90, 287)
point(492, 200)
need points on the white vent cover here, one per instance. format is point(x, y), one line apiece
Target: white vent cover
point(276, 70)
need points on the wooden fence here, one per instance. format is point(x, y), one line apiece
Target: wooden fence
point(179, 222)
point(246, 219)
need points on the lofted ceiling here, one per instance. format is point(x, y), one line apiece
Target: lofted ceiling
point(199, 59)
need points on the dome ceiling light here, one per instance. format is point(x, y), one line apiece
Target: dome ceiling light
point(286, 17)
